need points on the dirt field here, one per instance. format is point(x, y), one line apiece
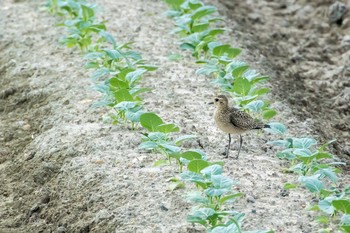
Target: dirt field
point(63, 170)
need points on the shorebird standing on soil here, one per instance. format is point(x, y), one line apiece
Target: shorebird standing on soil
point(233, 121)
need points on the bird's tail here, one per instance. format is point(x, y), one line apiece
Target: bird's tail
point(262, 125)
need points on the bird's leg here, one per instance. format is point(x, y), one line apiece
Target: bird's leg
point(240, 144)
point(228, 146)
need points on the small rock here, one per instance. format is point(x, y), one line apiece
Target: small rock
point(45, 198)
point(61, 229)
point(336, 13)
point(250, 199)
point(162, 207)
point(26, 127)
point(35, 208)
point(29, 155)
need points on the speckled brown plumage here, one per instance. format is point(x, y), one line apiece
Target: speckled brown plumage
point(233, 121)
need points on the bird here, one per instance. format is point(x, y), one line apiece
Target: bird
point(233, 121)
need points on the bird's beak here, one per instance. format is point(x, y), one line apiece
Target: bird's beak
point(211, 103)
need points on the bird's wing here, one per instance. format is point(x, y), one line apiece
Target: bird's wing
point(242, 120)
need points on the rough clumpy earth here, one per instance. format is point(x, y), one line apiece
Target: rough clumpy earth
point(63, 170)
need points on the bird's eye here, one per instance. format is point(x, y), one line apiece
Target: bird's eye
point(216, 99)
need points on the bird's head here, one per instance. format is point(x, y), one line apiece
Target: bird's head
point(221, 101)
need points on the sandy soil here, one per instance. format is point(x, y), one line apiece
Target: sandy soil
point(63, 170)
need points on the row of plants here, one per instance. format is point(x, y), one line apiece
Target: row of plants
point(116, 73)
point(196, 24)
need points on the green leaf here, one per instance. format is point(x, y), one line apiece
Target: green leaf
point(87, 12)
point(268, 114)
point(312, 183)
point(184, 138)
point(176, 185)
point(326, 206)
point(194, 177)
point(148, 67)
point(134, 116)
point(289, 186)
point(135, 75)
point(202, 11)
point(197, 165)
point(196, 197)
point(170, 148)
point(227, 50)
point(148, 145)
point(108, 37)
point(345, 220)
point(329, 173)
point(255, 106)
point(303, 142)
point(125, 105)
point(280, 143)
point(203, 213)
point(150, 121)
point(212, 170)
point(161, 162)
point(231, 228)
point(242, 86)
point(261, 91)
point(99, 73)
point(342, 206)
point(175, 57)
point(221, 182)
point(175, 4)
point(200, 27)
point(276, 128)
point(168, 128)
point(113, 54)
point(123, 95)
point(191, 155)
point(230, 197)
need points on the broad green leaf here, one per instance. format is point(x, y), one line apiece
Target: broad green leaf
point(123, 95)
point(208, 69)
point(108, 37)
point(176, 185)
point(170, 148)
point(221, 182)
point(342, 206)
point(312, 183)
point(135, 75)
point(150, 121)
point(232, 228)
point(134, 116)
point(280, 143)
point(261, 91)
point(268, 114)
point(202, 11)
point(226, 50)
point(286, 154)
point(212, 170)
point(175, 4)
point(113, 54)
point(99, 73)
point(203, 213)
point(323, 147)
point(194, 177)
point(329, 173)
point(345, 220)
point(91, 65)
point(276, 128)
point(326, 206)
point(242, 86)
point(197, 165)
point(125, 105)
point(148, 145)
point(184, 138)
point(191, 155)
point(200, 27)
point(322, 155)
point(94, 56)
point(168, 128)
point(255, 106)
point(196, 197)
point(303, 142)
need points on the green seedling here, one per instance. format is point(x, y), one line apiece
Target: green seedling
point(81, 28)
point(160, 138)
